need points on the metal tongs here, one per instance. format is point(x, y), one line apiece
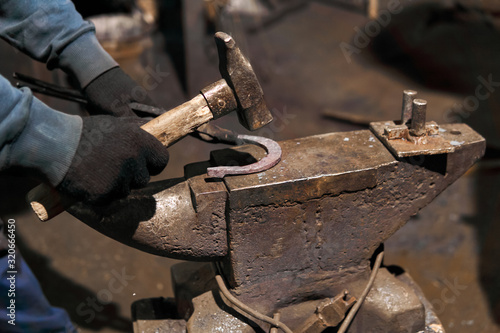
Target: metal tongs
point(49, 89)
point(74, 95)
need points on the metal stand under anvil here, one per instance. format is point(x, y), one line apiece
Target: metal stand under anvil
point(298, 235)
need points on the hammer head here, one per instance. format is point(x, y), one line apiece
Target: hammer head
point(239, 75)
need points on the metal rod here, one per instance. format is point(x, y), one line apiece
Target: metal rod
point(406, 111)
point(418, 117)
point(53, 93)
point(148, 109)
point(245, 308)
point(48, 86)
point(277, 318)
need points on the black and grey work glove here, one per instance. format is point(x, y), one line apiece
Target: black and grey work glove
point(112, 91)
point(114, 155)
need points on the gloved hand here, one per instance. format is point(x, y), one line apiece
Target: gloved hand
point(114, 155)
point(112, 91)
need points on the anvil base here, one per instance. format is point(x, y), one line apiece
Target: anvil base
point(395, 304)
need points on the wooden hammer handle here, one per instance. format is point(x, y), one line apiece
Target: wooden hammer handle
point(168, 128)
point(175, 124)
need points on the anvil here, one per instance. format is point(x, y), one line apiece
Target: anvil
point(301, 232)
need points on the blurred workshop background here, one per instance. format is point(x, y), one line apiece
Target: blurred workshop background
point(325, 66)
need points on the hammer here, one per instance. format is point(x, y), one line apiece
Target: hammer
point(238, 90)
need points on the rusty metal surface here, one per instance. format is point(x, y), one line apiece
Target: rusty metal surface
point(394, 304)
point(448, 137)
point(189, 280)
point(338, 195)
point(396, 138)
point(432, 322)
point(160, 326)
point(239, 75)
point(399, 131)
point(310, 168)
point(220, 98)
point(329, 313)
point(212, 314)
point(412, 135)
point(337, 233)
point(161, 219)
point(272, 158)
point(207, 195)
point(391, 306)
point(324, 210)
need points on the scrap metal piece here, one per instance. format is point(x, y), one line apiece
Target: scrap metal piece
point(248, 311)
point(396, 131)
point(421, 138)
point(402, 132)
point(439, 140)
point(329, 313)
point(361, 299)
point(272, 158)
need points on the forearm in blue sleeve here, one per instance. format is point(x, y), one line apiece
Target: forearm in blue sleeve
point(34, 136)
point(55, 33)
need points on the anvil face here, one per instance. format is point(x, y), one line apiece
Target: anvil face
point(305, 228)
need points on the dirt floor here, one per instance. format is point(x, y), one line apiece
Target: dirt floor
point(450, 248)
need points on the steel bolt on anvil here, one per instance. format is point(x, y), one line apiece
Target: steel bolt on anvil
point(293, 237)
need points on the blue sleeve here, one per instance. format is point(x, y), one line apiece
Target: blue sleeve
point(52, 31)
point(34, 136)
